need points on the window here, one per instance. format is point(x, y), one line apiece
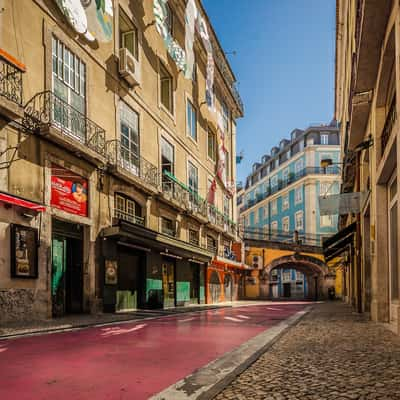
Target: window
point(166, 89)
point(128, 35)
point(326, 220)
point(298, 195)
point(69, 86)
point(211, 244)
point(324, 188)
point(129, 125)
point(211, 145)
point(301, 145)
point(285, 224)
point(167, 164)
point(127, 209)
point(194, 237)
point(225, 116)
point(274, 207)
point(286, 276)
point(274, 181)
point(274, 226)
point(299, 220)
point(285, 202)
point(324, 138)
point(299, 276)
point(169, 19)
point(191, 120)
point(193, 180)
point(226, 206)
point(168, 226)
point(310, 141)
point(285, 175)
point(298, 167)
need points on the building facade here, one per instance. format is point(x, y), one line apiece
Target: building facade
point(367, 106)
point(280, 199)
point(116, 158)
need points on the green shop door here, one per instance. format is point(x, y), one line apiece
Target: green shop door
point(58, 276)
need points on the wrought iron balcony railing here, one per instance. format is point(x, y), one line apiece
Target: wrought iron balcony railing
point(132, 218)
point(10, 82)
point(281, 184)
point(119, 155)
point(47, 109)
point(174, 190)
point(389, 123)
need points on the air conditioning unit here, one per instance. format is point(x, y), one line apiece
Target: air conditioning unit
point(129, 67)
point(257, 262)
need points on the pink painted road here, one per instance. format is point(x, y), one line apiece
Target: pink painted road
point(131, 360)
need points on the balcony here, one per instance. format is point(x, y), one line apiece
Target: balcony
point(129, 166)
point(10, 89)
point(282, 184)
point(129, 217)
point(48, 115)
point(389, 124)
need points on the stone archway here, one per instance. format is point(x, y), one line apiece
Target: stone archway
point(314, 271)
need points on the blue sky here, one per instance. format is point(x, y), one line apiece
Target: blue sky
point(284, 66)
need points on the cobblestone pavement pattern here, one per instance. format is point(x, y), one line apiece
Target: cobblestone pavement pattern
point(333, 353)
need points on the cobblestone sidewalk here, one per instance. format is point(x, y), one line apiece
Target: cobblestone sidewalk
point(333, 353)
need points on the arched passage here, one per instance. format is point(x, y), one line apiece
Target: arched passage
point(279, 281)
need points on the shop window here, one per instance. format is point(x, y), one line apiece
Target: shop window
point(128, 209)
point(128, 34)
point(168, 226)
point(194, 237)
point(24, 252)
point(166, 83)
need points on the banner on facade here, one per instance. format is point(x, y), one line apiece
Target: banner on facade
point(343, 203)
point(68, 191)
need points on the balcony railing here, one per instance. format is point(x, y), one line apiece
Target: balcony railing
point(389, 123)
point(119, 155)
point(281, 184)
point(48, 109)
point(132, 218)
point(10, 82)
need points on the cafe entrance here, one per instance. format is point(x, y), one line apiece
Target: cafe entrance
point(67, 268)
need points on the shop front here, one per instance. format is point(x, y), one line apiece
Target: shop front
point(160, 271)
point(225, 280)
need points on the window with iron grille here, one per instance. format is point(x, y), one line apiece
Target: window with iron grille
point(130, 150)
point(127, 209)
point(211, 244)
point(194, 237)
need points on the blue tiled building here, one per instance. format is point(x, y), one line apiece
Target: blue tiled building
point(280, 195)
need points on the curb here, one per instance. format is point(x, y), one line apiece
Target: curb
point(206, 382)
point(72, 328)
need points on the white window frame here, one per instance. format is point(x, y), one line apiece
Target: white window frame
point(274, 226)
point(323, 137)
point(299, 214)
point(298, 195)
point(274, 181)
point(299, 165)
point(190, 124)
point(285, 202)
point(326, 220)
point(285, 222)
point(274, 207)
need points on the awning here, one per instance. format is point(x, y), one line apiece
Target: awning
point(339, 243)
point(17, 201)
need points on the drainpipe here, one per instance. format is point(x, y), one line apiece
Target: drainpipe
point(358, 241)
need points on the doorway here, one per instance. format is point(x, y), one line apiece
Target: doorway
point(228, 287)
point(67, 268)
point(287, 289)
point(168, 279)
point(393, 251)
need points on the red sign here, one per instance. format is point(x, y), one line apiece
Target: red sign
point(68, 191)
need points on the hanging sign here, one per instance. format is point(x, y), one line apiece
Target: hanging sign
point(68, 191)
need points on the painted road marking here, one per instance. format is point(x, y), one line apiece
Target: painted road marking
point(2, 349)
point(243, 316)
point(233, 319)
point(186, 319)
point(118, 331)
point(274, 309)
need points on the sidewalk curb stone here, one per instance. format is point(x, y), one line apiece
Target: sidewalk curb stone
point(206, 382)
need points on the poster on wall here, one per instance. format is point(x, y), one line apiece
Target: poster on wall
point(24, 251)
point(111, 272)
point(68, 191)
